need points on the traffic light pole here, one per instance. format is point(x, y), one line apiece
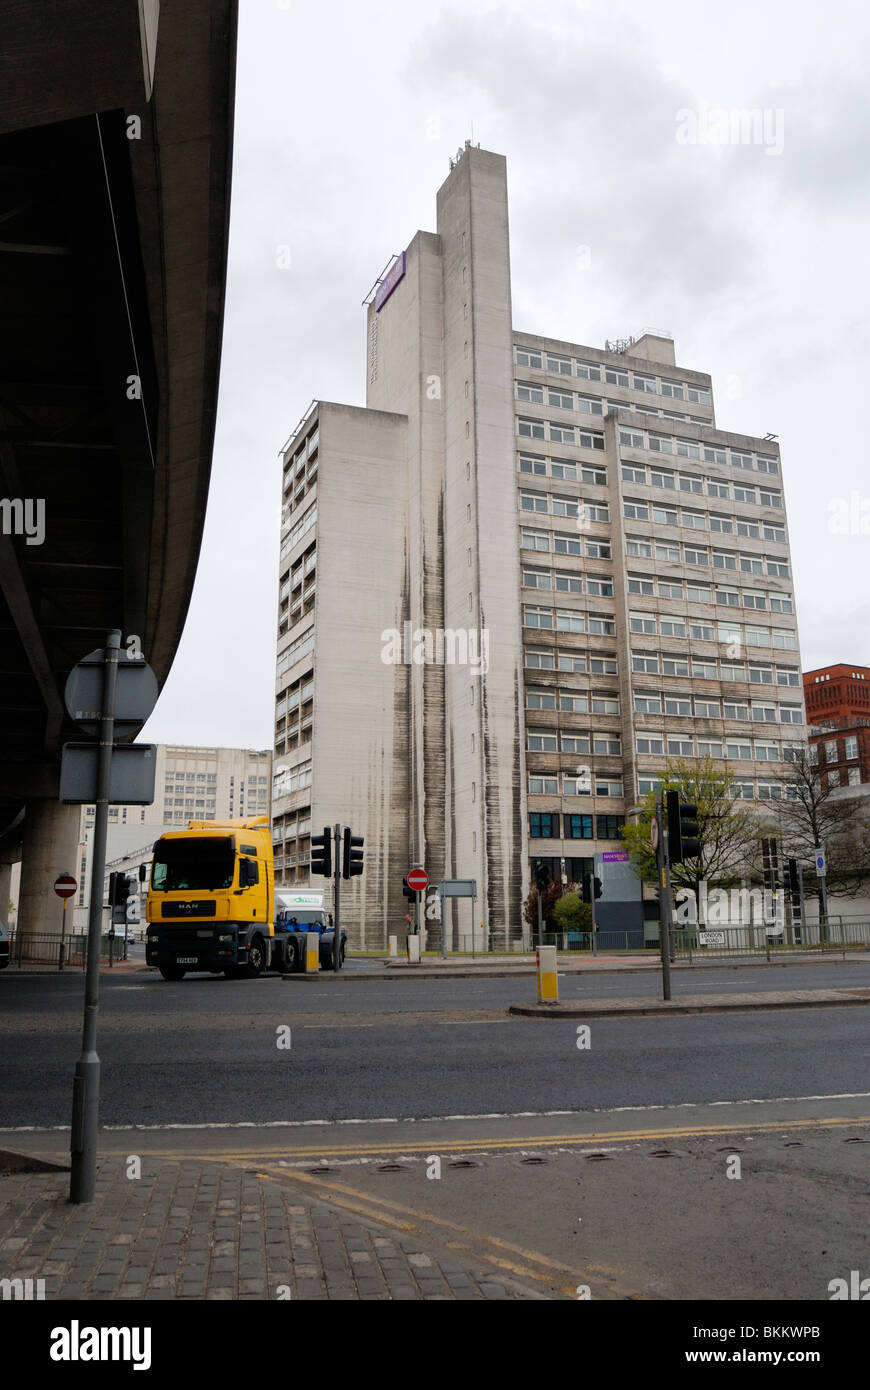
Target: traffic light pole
point(336, 936)
point(664, 870)
point(86, 1082)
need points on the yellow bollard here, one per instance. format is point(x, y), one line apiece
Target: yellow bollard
point(548, 980)
point(312, 953)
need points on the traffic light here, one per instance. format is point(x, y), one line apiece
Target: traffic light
point(406, 891)
point(591, 888)
point(352, 858)
point(597, 882)
point(542, 875)
point(118, 890)
point(683, 830)
point(794, 886)
point(321, 853)
point(770, 864)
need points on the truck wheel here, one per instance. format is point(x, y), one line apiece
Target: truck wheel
point(256, 958)
point(292, 958)
point(171, 972)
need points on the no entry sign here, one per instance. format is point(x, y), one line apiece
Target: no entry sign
point(65, 885)
point(418, 879)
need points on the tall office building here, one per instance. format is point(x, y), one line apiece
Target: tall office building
point(520, 579)
point(838, 710)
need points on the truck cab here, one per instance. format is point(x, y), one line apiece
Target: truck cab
point(299, 914)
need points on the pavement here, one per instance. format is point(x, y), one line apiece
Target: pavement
point(194, 1229)
point(695, 1003)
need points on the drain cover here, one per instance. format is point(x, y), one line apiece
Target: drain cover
point(533, 1158)
point(856, 1141)
point(596, 1158)
point(323, 1168)
point(392, 1168)
point(464, 1163)
point(663, 1153)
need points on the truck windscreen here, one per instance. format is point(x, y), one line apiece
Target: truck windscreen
point(193, 864)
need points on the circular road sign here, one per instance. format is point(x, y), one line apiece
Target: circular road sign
point(418, 879)
point(654, 832)
point(65, 885)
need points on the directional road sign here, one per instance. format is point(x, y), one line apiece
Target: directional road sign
point(821, 863)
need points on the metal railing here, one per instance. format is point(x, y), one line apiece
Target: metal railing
point(759, 941)
point(604, 941)
point(44, 949)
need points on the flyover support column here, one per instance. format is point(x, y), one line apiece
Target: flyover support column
point(51, 847)
point(5, 891)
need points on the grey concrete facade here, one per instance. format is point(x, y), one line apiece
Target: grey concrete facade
point(589, 578)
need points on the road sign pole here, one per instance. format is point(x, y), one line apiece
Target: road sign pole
point(86, 1083)
point(336, 935)
point(62, 933)
point(664, 901)
point(443, 928)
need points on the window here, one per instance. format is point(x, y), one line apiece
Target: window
point(664, 516)
point(644, 661)
point(530, 429)
point(540, 699)
point(661, 443)
point(699, 593)
point(793, 714)
point(561, 468)
point(772, 532)
point(640, 622)
point(854, 777)
point(709, 748)
point(665, 550)
point(850, 746)
point(592, 474)
point(598, 550)
point(599, 588)
point(575, 743)
point(633, 439)
point(559, 364)
point(569, 622)
point(566, 544)
point(607, 744)
point(565, 506)
point(669, 589)
point(745, 527)
point(767, 498)
point(732, 671)
point(742, 751)
point(760, 675)
point(576, 786)
point(641, 549)
point(767, 465)
point(696, 555)
point(538, 617)
point(752, 598)
point(637, 585)
point(674, 666)
point(781, 603)
point(572, 584)
point(672, 627)
point(702, 632)
point(722, 524)
point(785, 675)
point(526, 392)
point(590, 371)
point(616, 376)
point(714, 455)
point(680, 747)
point(649, 743)
point(674, 389)
point(543, 786)
point(694, 521)
point(632, 472)
point(677, 706)
point(596, 511)
point(608, 786)
point(689, 483)
point(535, 540)
point(565, 400)
point(602, 666)
point(740, 460)
point(543, 825)
point(830, 750)
point(647, 784)
point(533, 501)
point(767, 752)
point(527, 357)
point(588, 405)
point(578, 827)
point(572, 703)
point(751, 564)
point(745, 494)
point(661, 478)
point(645, 383)
point(540, 660)
point(729, 598)
point(743, 790)
point(572, 661)
point(786, 641)
point(533, 463)
point(686, 449)
point(770, 791)
point(562, 434)
point(635, 511)
point(601, 625)
point(647, 703)
point(605, 704)
point(542, 741)
point(608, 827)
point(764, 714)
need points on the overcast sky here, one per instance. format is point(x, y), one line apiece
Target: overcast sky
point(756, 262)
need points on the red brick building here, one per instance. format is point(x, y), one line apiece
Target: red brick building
point(837, 700)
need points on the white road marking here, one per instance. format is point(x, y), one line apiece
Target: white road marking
point(442, 1119)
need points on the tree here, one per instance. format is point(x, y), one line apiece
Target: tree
point(728, 828)
point(811, 815)
point(550, 896)
point(572, 914)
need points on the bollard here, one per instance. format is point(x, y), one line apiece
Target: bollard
point(548, 981)
point(414, 949)
point(393, 942)
point(312, 952)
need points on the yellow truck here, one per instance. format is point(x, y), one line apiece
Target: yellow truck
point(211, 905)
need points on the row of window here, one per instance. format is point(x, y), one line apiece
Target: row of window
point(655, 663)
point(545, 825)
point(828, 751)
point(551, 741)
point(578, 662)
point(567, 583)
point(573, 701)
point(540, 466)
point(564, 543)
point(704, 593)
point(556, 620)
point(653, 702)
point(691, 449)
point(763, 790)
point(699, 485)
point(291, 779)
point(295, 652)
point(685, 745)
point(193, 776)
point(635, 509)
point(615, 376)
point(552, 504)
point(835, 779)
point(559, 434)
point(301, 528)
point(734, 634)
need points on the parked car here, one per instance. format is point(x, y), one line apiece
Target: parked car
point(4, 947)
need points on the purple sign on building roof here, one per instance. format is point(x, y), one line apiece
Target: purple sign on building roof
point(614, 856)
point(389, 282)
